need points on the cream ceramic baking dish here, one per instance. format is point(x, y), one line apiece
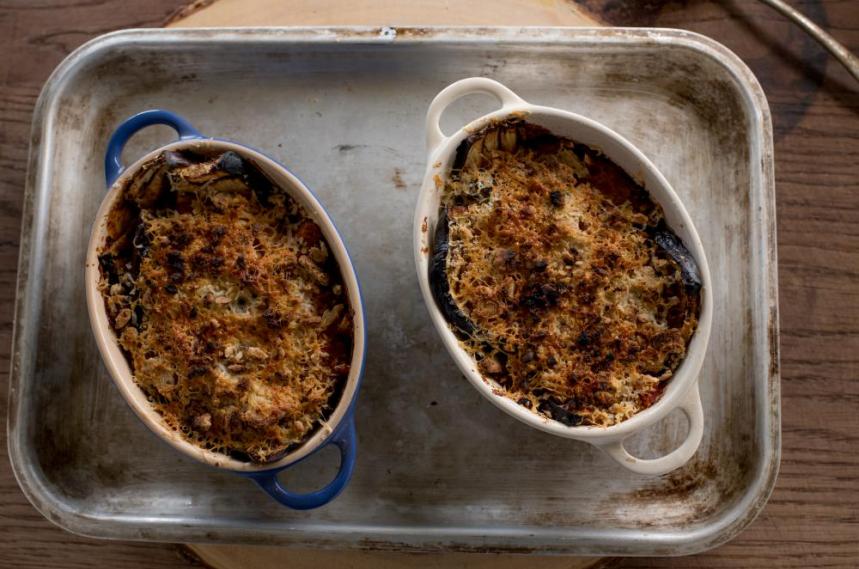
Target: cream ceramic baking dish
point(682, 391)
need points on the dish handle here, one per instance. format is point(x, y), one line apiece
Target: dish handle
point(457, 90)
point(113, 158)
point(345, 440)
point(691, 406)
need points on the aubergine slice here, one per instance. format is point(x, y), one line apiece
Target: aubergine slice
point(668, 241)
point(439, 284)
point(251, 174)
point(560, 413)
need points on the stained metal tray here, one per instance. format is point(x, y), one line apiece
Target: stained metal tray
point(438, 467)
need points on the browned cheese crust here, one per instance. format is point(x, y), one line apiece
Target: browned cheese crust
point(576, 311)
point(227, 303)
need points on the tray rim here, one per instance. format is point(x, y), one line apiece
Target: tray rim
point(515, 540)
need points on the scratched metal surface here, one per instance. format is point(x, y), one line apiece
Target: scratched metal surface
point(439, 468)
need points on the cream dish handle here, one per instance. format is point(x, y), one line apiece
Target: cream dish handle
point(454, 91)
point(691, 406)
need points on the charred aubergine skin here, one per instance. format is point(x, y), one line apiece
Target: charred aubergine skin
point(439, 283)
point(668, 241)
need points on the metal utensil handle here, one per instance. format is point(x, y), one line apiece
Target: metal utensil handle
point(113, 158)
point(841, 53)
point(457, 90)
point(346, 442)
point(691, 406)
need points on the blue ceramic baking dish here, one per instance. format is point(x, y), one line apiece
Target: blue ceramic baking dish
point(339, 429)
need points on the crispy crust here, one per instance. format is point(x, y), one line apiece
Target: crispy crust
point(227, 304)
point(557, 259)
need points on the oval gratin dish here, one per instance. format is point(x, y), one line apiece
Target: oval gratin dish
point(339, 427)
point(682, 390)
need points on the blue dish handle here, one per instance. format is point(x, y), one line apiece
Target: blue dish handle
point(112, 160)
point(346, 441)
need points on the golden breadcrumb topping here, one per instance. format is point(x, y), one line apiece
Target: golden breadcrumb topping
point(563, 281)
point(229, 308)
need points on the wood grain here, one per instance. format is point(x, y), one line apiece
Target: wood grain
point(245, 557)
point(384, 12)
point(812, 519)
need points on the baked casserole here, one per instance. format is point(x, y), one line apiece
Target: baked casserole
point(225, 300)
point(560, 276)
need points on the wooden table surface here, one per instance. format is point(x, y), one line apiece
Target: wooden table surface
point(812, 519)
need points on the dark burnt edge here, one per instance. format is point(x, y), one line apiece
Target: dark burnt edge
point(439, 283)
point(262, 187)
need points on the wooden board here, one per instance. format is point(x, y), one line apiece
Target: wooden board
point(382, 13)
point(245, 557)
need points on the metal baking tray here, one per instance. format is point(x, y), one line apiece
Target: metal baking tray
point(438, 467)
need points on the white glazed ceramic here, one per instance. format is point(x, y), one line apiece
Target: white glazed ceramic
point(118, 366)
point(682, 391)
